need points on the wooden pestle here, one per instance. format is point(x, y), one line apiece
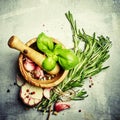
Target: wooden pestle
point(37, 57)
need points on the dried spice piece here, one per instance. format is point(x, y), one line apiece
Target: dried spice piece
point(79, 110)
point(8, 90)
point(91, 82)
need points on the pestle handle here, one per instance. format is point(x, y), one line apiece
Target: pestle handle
point(38, 58)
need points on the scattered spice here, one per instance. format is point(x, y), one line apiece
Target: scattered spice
point(27, 96)
point(15, 83)
point(91, 82)
point(79, 110)
point(90, 86)
point(32, 93)
point(27, 90)
point(8, 91)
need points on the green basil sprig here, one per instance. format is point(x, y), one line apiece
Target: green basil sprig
point(55, 53)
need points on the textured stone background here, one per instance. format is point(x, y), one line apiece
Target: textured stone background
point(26, 19)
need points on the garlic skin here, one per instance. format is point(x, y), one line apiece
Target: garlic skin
point(60, 106)
point(47, 93)
point(38, 72)
point(29, 65)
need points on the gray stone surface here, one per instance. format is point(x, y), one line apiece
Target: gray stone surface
point(26, 19)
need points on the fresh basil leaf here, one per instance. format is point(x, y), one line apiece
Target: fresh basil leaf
point(67, 59)
point(48, 64)
point(57, 49)
point(45, 43)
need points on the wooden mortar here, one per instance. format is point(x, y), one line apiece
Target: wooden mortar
point(37, 57)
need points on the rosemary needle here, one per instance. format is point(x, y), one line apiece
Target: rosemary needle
point(91, 60)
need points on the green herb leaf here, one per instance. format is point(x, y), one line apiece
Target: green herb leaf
point(45, 44)
point(67, 59)
point(49, 63)
point(91, 61)
point(80, 95)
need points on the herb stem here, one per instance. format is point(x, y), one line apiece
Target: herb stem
point(91, 59)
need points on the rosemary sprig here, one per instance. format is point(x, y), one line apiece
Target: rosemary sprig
point(91, 59)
